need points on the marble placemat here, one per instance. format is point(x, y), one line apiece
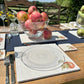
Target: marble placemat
point(25, 73)
point(74, 32)
point(56, 36)
point(2, 42)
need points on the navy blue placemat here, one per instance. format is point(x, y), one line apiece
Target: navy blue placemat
point(71, 38)
point(15, 41)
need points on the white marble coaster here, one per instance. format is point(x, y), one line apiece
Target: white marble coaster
point(67, 47)
point(2, 41)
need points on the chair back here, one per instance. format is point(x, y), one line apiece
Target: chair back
point(53, 11)
point(18, 5)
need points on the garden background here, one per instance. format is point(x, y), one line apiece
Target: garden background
point(73, 6)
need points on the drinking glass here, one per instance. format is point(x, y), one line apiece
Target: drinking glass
point(13, 27)
point(34, 30)
point(80, 21)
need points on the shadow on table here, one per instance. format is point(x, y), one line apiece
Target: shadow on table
point(80, 81)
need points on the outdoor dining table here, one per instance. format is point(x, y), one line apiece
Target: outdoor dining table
point(68, 78)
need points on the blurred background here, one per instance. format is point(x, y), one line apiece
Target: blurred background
point(72, 7)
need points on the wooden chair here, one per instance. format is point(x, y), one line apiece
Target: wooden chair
point(18, 5)
point(53, 11)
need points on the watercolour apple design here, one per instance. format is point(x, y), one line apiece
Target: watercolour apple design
point(22, 16)
point(68, 65)
point(1, 39)
point(1, 53)
point(47, 34)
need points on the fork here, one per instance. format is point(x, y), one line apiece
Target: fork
point(6, 63)
point(12, 59)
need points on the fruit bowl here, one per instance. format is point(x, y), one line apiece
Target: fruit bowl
point(80, 18)
point(80, 21)
point(33, 29)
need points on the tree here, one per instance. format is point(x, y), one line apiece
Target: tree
point(65, 3)
point(1, 1)
point(74, 7)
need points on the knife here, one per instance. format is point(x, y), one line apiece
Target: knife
point(12, 59)
point(6, 63)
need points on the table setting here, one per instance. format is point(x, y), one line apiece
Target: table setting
point(38, 52)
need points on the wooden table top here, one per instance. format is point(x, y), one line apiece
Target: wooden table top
point(76, 56)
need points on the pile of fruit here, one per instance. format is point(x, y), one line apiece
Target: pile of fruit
point(80, 18)
point(80, 22)
point(34, 17)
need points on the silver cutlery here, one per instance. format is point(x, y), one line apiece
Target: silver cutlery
point(9, 37)
point(6, 63)
point(12, 58)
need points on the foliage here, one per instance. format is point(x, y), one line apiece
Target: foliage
point(74, 7)
point(1, 1)
point(65, 3)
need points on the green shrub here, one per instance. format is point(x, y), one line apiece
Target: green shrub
point(1, 1)
point(74, 7)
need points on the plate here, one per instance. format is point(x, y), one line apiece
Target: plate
point(42, 58)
